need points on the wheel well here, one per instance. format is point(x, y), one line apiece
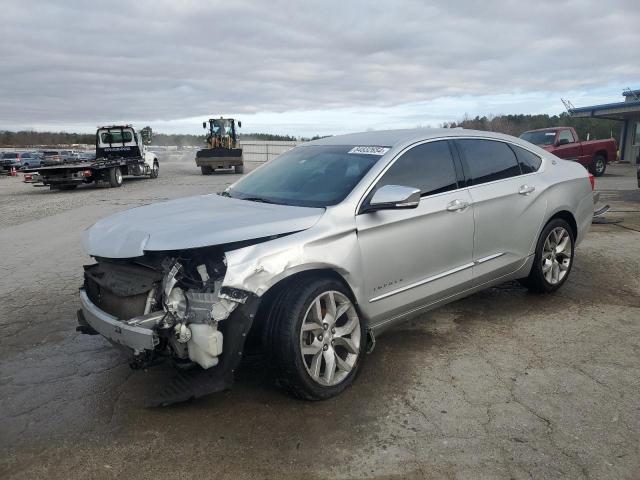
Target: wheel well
point(602, 153)
point(567, 217)
point(268, 299)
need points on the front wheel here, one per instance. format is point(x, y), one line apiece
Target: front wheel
point(115, 177)
point(316, 340)
point(598, 166)
point(553, 259)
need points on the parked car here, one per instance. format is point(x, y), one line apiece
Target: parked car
point(563, 142)
point(86, 156)
point(314, 254)
point(18, 160)
point(10, 160)
point(55, 157)
point(30, 160)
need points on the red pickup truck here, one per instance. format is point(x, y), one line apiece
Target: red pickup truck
point(563, 142)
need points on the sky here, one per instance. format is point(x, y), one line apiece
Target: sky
point(307, 68)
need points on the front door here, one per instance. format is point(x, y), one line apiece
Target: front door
point(567, 151)
point(414, 257)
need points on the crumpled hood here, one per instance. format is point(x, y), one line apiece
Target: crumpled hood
point(192, 222)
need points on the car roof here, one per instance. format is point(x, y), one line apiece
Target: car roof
point(393, 138)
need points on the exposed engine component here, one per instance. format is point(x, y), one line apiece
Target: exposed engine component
point(182, 333)
point(178, 298)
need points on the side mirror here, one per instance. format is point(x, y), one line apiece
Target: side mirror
point(204, 125)
point(392, 197)
point(563, 141)
point(239, 124)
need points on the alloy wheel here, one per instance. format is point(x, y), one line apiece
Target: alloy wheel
point(330, 338)
point(557, 254)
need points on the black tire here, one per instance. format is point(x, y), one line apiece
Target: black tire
point(598, 166)
point(115, 177)
point(536, 281)
point(282, 341)
point(206, 170)
point(68, 187)
point(239, 168)
point(155, 170)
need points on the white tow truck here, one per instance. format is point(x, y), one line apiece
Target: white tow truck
point(120, 151)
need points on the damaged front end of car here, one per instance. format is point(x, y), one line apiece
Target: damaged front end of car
point(171, 306)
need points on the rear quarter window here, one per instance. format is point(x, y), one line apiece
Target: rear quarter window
point(488, 160)
point(529, 162)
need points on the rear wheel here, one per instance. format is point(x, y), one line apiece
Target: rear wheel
point(239, 168)
point(316, 340)
point(598, 166)
point(115, 177)
point(553, 259)
point(206, 170)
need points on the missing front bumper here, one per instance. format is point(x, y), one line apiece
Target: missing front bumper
point(135, 338)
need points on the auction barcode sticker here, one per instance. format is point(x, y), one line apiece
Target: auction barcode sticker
point(369, 150)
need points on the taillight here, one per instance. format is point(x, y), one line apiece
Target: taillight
point(86, 173)
point(592, 181)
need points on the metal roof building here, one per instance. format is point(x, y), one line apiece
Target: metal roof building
point(628, 112)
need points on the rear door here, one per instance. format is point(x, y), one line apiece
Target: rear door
point(508, 206)
point(414, 257)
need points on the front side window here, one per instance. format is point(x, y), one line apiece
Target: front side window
point(308, 176)
point(488, 160)
point(529, 162)
point(428, 167)
point(565, 135)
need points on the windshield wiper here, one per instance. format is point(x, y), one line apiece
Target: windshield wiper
point(257, 199)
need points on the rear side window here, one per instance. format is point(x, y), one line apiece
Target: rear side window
point(488, 160)
point(529, 162)
point(428, 167)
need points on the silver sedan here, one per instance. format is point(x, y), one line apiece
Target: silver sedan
point(315, 253)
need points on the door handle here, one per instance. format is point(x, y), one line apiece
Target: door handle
point(526, 189)
point(457, 205)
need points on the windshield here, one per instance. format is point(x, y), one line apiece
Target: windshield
point(541, 137)
point(306, 176)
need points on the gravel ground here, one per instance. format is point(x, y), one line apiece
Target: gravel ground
point(502, 384)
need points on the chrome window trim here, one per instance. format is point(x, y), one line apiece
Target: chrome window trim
point(452, 138)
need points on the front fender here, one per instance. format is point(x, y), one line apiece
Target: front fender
point(258, 267)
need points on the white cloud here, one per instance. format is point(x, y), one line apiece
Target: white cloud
point(324, 67)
